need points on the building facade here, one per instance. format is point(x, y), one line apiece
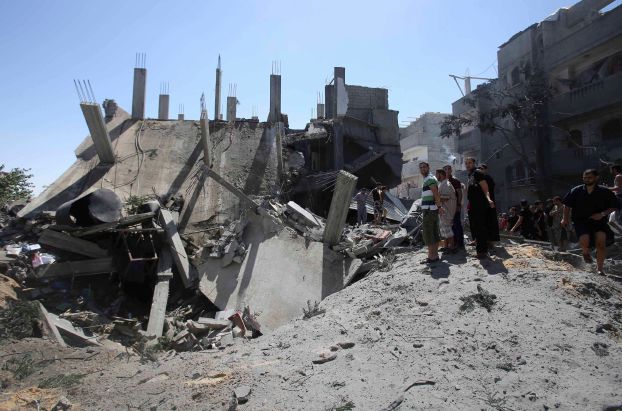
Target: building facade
point(578, 53)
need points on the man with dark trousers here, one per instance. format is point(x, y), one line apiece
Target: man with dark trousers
point(457, 225)
point(591, 205)
point(480, 203)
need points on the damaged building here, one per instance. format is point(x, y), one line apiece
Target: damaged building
point(357, 133)
point(578, 53)
point(177, 210)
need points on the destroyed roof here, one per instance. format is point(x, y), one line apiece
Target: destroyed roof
point(162, 158)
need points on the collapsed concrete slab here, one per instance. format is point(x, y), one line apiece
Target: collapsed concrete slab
point(279, 274)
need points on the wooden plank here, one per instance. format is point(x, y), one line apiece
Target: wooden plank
point(49, 325)
point(125, 221)
point(160, 294)
point(66, 242)
point(76, 268)
point(177, 247)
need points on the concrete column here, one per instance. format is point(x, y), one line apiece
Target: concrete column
point(99, 133)
point(205, 139)
point(275, 98)
point(340, 94)
point(163, 106)
point(339, 207)
point(138, 97)
point(320, 110)
point(338, 161)
point(180, 117)
point(232, 103)
point(279, 152)
point(217, 114)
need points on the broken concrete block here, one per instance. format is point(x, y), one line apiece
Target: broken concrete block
point(213, 324)
point(301, 215)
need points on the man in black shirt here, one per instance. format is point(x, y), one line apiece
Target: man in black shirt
point(540, 222)
point(480, 203)
point(591, 205)
point(525, 221)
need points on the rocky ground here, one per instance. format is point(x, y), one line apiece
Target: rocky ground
point(517, 332)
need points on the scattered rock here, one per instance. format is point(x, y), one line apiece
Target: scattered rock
point(346, 345)
point(63, 404)
point(325, 357)
point(600, 349)
point(242, 393)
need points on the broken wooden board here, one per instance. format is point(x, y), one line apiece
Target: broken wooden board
point(66, 242)
point(177, 247)
point(160, 294)
point(76, 268)
point(123, 222)
point(49, 325)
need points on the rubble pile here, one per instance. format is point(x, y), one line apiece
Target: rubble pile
point(123, 280)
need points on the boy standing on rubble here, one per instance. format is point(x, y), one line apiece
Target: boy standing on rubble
point(591, 205)
point(430, 204)
point(378, 196)
point(361, 206)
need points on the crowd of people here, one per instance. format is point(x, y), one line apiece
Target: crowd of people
point(585, 214)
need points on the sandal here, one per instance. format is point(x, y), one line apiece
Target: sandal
point(429, 261)
point(588, 258)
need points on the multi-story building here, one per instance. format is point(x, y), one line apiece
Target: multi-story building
point(578, 51)
point(421, 141)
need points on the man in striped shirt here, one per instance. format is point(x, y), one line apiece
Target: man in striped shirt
point(430, 204)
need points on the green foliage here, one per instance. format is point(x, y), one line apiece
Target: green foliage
point(133, 203)
point(523, 105)
point(62, 381)
point(19, 320)
point(21, 366)
point(14, 184)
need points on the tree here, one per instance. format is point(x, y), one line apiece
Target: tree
point(14, 185)
point(525, 105)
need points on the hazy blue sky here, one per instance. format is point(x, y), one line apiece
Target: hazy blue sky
point(409, 47)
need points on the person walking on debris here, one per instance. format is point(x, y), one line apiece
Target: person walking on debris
point(559, 235)
point(525, 221)
point(591, 205)
point(361, 206)
point(448, 205)
point(378, 197)
point(430, 204)
point(480, 202)
point(457, 224)
point(616, 217)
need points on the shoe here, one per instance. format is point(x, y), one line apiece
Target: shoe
point(601, 272)
point(472, 244)
point(588, 258)
point(429, 261)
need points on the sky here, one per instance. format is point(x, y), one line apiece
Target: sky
point(407, 46)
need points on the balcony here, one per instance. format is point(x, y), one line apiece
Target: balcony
point(597, 95)
point(601, 30)
point(573, 161)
